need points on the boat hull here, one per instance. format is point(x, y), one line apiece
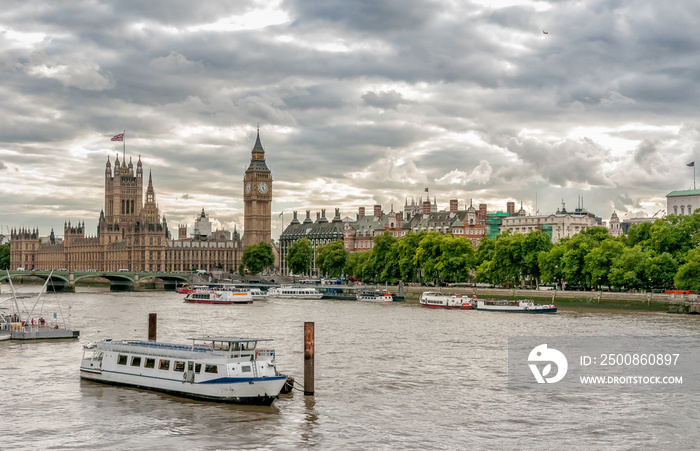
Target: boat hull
point(518, 310)
point(250, 391)
point(43, 334)
point(449, 307)
point(199, 301)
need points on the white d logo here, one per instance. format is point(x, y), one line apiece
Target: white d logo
point(542, 354)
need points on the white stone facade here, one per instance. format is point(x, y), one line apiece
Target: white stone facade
point(563, 225)
point(682, 202)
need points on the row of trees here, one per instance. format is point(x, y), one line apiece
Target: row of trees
point(658, 255)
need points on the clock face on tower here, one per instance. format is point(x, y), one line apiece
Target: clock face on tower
point(247, 188)
point(262, 187)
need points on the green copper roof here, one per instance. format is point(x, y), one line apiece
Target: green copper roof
point(688, 192)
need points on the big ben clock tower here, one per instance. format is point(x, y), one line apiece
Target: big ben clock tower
point(257, 198)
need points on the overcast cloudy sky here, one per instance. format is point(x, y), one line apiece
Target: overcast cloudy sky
point(359, 102)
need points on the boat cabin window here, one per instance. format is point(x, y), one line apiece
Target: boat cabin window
point(221, 345)
point(247, 345)
point(136, 361)
point(150, 363)
point(245, 369)
point(121, 360)
point(179, 366)
point(198, 368)
point(164, 365)
point(211, 369)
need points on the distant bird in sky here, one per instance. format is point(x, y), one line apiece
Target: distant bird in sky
point(544, 32)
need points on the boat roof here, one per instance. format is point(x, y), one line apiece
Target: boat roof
point(229, 339)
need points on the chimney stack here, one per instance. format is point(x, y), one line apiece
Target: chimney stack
point(453, 206)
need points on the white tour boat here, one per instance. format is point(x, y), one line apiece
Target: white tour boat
point(515, 306)
point(255, 292)
point(219, 297)
point(5, 336)
point(435, 299)
point(231, 370)
point(291, 292)
point(375, 296)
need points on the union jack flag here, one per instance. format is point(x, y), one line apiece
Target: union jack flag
point(119, 137)
point(691, 164)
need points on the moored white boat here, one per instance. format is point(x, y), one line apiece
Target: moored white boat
point(219, 297)
point(436, 299)
point(515, 306)
point(255, 292)
point(24, 325)
point(292, 292)
point(5, 336)
point(375, 296)
point(222, 369)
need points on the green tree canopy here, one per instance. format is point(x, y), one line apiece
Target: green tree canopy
point(300, 256)
point(257, 257)
point(688, 275)
point(381, 258)
point(331, 258)
point(355, 265)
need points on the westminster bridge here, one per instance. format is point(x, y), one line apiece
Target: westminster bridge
point(118, 280)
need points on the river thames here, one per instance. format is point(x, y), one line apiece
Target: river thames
point(388, 376)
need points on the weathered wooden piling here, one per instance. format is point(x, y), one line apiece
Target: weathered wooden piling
point(152, 326)
point(309, 358)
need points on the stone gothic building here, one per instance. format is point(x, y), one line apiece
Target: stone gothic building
point(132, 234)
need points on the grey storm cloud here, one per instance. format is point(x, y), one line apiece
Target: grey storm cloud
point(358, 102)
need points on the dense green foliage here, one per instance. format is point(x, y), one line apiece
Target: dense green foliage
point(331, 258)
point(257, 257)
point(5, 256)
point(300, 256)
point(659, 255)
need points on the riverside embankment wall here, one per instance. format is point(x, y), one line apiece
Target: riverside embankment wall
point(674, 303)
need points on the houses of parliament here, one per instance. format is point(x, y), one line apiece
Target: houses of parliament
point(132, 234)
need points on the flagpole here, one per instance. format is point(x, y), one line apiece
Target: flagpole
point(124, 143)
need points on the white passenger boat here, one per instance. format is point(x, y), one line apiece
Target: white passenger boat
point(231, 370)
point(291, 292)
point(219, 297)
point(515, 306)
point(375, 296)
point(5, 336)
point(255, 292)
point(435, 299)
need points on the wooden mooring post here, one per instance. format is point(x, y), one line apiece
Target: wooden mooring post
point(152, 326)
point(309, 358)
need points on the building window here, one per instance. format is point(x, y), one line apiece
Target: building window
point(682, 209)
point(690, 212)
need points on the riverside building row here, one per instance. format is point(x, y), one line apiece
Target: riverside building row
point(470, 222)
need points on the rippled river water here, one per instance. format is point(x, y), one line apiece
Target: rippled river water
point(388, 376)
